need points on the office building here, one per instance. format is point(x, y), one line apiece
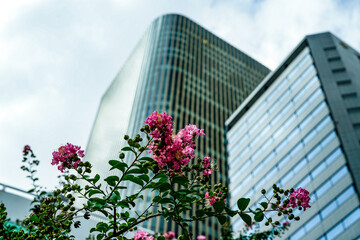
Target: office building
point(301, 128)
point(180, 68)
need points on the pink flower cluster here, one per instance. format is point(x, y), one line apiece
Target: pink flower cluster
point(201, 237)
point(26, 150)
point(171, 152)
point(67, 156)
point(286, 223)
point(169, 235)
point(299, 198)
point(162, 125)
point(207, 167)
point(213, 198)
point(141, 235)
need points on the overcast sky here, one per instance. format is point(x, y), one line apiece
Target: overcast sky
point(58, 57)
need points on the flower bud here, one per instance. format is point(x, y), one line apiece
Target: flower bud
point(77, 224)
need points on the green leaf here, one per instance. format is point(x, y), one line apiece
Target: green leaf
point(114, 197)
point(98, 201)
point(34, 218)
point(146, 159)
point(125, 215)
point(163, 179)
point(156, 199)
point(118, 165)
point(182, 180)
point(103, 212)
point(219, 206)
point(243, 203)
point(126, 149)
point(96, 178)
point(150, 185)
point(136, 171)
point(113, 162)
point(264, 205)
point(259, 216)
point(123, 204)
point(199, 213)
point(273, 206)
point(161, 238)
point(112, 180)
point(43, 193)
point(134, 179)
point(162, 186)
point(166, 200)
point(246, 218)
point(160, 175)
point(144, 177)
point(222, 219)
point(93, 192)
point(185, 192)
point(230, 212)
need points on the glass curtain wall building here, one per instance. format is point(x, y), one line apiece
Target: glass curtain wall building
point(196, 77)
point(300, 128)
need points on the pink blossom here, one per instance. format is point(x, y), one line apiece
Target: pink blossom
point(207, 172)
point(206, 162)
point(213, 198)
point(207, 167)
point(26, 150)
point(67, 156)
point(201, 237)
point(169, 235)
point(171, 151)
point(141, 235)
point(299, 198)
point(286, 223)
point(161, 122)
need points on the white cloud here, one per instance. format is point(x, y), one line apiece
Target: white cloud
point(10, 10)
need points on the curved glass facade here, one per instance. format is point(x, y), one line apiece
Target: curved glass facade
point(196, 77)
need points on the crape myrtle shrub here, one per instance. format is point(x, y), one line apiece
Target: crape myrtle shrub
point(178, 179)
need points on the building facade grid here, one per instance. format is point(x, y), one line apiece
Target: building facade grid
point(286, 134)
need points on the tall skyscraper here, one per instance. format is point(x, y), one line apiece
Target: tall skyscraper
point(182, 69)
point(301, 128)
